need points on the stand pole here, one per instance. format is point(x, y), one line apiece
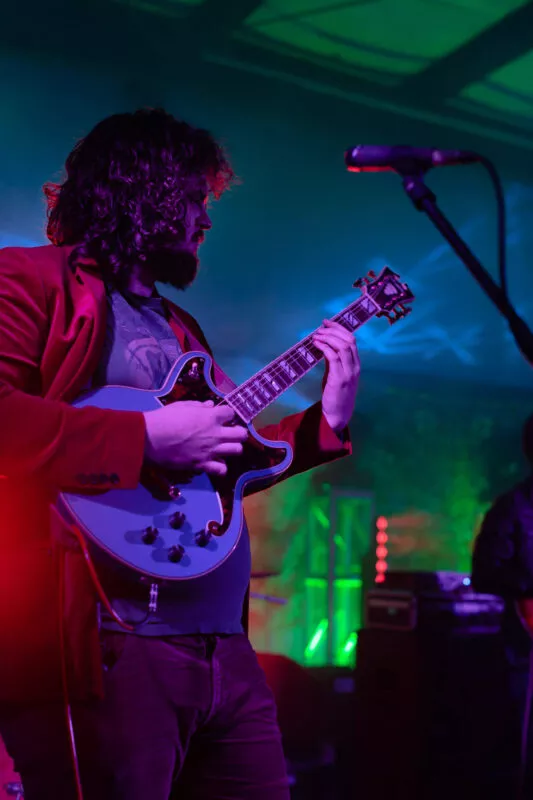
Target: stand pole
point(425, 200)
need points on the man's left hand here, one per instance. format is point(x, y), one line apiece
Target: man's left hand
point(342, 373)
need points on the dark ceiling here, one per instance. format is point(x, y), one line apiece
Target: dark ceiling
point(466, 62)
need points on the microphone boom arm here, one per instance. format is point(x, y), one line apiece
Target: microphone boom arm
point(425, 200)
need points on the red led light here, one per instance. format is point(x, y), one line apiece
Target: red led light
point(381, 551)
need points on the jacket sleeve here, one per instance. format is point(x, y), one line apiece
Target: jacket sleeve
point(501, 562)
point(312, 439)
point(67, 448)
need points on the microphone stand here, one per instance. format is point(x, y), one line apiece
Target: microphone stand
point(425, 200)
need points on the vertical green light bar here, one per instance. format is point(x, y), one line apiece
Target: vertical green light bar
point(316, 639)
point(347, 593)
point(346, 654)
point(316, 612)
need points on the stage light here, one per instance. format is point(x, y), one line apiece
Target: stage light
point(381, 551)
point(316, 638)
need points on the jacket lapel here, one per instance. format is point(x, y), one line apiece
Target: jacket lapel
point(76, 338)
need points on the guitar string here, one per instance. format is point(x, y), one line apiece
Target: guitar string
point(291, 355)
point(278, 371)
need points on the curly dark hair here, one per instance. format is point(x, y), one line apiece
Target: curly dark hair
point(123, 198)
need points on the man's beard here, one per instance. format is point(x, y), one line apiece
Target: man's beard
point(173, 267)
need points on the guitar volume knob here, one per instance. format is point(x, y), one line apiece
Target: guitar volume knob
point(149, 535)
point(174, 492)
point(202, 538)
point(176, 553)
point(176, 520)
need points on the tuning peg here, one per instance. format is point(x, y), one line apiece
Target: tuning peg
point(388, 315)
point(402, 311)
point(359, 283)
point(398, 313)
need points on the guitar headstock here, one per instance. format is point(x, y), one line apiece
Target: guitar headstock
point(389, 292)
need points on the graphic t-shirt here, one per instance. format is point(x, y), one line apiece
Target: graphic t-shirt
point(139, 351)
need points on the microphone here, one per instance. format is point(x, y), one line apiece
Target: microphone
point(403, 159)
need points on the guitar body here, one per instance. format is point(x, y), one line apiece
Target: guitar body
point(175, 525)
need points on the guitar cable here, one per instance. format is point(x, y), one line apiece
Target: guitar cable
point(63, 656)
point(64, 683)
point(524, 739)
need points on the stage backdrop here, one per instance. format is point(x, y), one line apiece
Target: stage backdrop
point(443, 393)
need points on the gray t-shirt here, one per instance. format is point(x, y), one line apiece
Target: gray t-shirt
point(140, 348)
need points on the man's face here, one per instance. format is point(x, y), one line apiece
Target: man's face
point(197, 220)
point(176, 264)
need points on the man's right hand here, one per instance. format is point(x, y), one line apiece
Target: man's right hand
point(193, 436)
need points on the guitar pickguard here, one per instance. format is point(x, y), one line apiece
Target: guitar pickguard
point(191, 384)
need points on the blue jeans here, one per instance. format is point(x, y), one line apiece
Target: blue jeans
point(187, 717)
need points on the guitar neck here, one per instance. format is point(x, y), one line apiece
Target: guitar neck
point(258, 392)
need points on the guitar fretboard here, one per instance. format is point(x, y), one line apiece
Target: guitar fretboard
point(263, 388)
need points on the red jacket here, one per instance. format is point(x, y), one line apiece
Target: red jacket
point(52, 328)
